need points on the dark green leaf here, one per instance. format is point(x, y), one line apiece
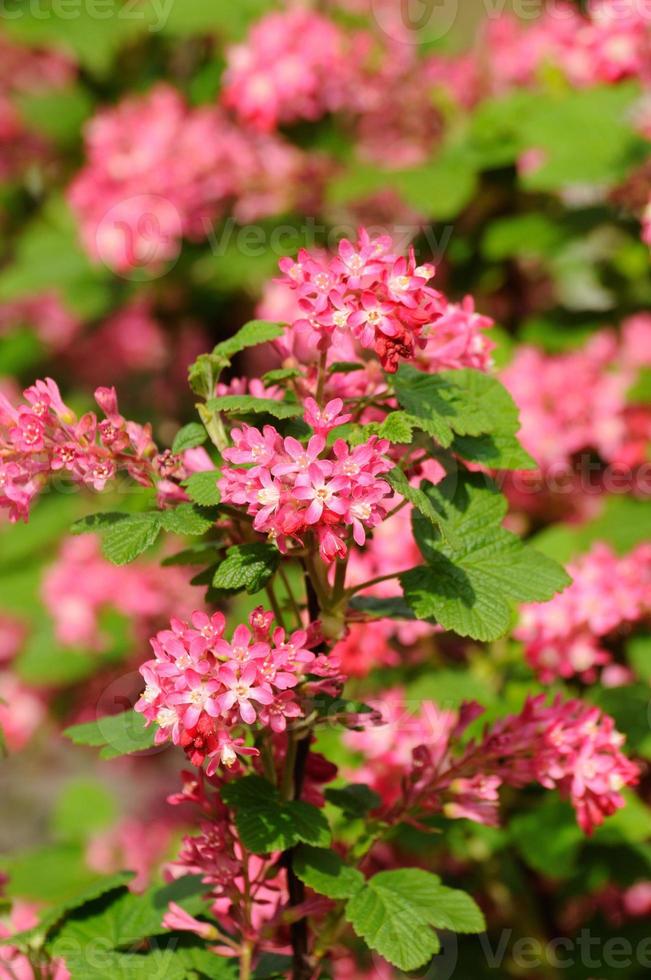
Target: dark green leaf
point(247, 566)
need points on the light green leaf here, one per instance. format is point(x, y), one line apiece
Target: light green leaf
point(248, 405)
point(189, 437)
point(397, 428)
point(470, 589)
point(185, 519)
point(202, 488)
point(390, 919)
point(123, 918)
point(250, 335)
point(115, 734)
point(457, 407)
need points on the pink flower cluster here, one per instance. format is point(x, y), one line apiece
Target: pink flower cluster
point(43, 437)
point(418, 764)
point(82, 584)
point(291, 488)
point(200, 688)
point(381, 298)
point(578, 402)
point(293, 65)
point(608, 43)
point(158, 170)
point(457, 339)
point(226, 869)
point(16, 964)
point(570, 635)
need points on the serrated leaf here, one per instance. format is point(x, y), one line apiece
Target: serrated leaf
point(280, 374)
point(122, 918)
point(247, 566)
point(189, 437)
point(397, 427)
point(420, 501)
point(125, 966)
point(326, 873)
point(458, 403)
point(38, 933)
point(202, 488)
point(470, 589)
point(115, 734)
point(96, 522)
point(249, 405)
point(498, 452)
point(250, 335)
point(451, 908)
point(385, 915)
point(128, 538)
point(185, 519)
point(266, 824)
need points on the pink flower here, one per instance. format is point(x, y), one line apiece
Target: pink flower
point(242, 688)
point(178, 918)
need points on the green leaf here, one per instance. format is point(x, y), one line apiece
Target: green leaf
point(387, 917)
point(470, 589)
point(202, 488)
point(395, 912)
point(638, 651)
point(548, 837)
point(122, 918)
point(55, 873)
point(280, 374)
point(464, 404)
point(247, 566)
point(451, 908)
point(115, 734)
point(52, 916)
point(96, 522)
point(326, 873)
point(497, 452)
point(266, 824)
point(420, 500)
point(166, 964)
point(354, 800)
point(382, 608)
point(189, 437)
point(250, 335)
point(123, 541)
point(397, 427)
point(248, 405)
point(185, 519)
